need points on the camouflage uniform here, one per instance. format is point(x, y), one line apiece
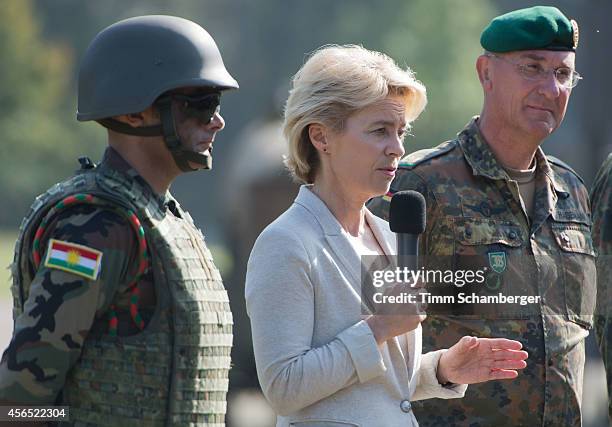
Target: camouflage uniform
point(474, 214)
point(174, 372)
point(601, 197)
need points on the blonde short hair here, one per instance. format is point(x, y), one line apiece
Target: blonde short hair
point(334, 83)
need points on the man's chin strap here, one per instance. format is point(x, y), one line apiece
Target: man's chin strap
point(181, 156)
point(167, 128)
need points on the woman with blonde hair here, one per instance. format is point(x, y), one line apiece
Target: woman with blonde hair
point(320, 361)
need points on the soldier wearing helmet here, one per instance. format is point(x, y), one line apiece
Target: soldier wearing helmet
point(119, 310)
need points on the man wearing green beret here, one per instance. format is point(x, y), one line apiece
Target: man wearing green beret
point(497, 203)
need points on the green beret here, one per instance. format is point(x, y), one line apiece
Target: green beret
point(534, 28)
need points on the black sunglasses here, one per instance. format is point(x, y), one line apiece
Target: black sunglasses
point(200, 107)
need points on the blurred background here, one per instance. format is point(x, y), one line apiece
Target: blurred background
point(263, 44)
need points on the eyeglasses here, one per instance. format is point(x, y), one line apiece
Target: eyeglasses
point(565, 76)
point(201, 107)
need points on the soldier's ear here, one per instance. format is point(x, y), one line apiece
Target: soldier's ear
point(145, 118)
point(135, 120)
point(484, 72)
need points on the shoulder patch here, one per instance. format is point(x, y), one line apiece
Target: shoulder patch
point(73, 258)
point(557, 162)
point(414, 159)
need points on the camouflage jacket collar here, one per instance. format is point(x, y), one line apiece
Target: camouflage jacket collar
point(479, 156)
point(112, 160)
point(544, 168)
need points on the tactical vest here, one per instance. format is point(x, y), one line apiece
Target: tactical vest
point(174, 372)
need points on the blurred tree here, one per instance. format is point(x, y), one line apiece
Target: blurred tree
point(439, 40)
point(441, 45)
point(37, 147)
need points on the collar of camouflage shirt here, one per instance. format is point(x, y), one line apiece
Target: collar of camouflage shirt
point(483, 162)
point(113, 160)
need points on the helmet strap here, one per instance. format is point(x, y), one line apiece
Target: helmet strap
point(181, 156)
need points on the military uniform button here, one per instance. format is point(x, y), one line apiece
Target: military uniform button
point(405, 406)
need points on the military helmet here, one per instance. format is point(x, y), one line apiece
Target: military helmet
point(132, 62)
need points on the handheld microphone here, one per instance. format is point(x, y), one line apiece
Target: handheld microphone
point(407, 221)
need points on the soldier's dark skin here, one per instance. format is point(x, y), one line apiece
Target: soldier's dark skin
point(57, 344)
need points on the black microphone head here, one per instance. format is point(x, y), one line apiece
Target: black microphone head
point(407, 212)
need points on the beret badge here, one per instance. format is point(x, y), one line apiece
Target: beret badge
point(576, 33)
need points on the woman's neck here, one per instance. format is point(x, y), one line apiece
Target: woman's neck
point(348, 210)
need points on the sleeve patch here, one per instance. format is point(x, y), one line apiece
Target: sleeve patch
point(72, 258)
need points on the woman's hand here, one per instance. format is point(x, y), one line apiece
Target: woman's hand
point(475, 360)
point(385, 326)
point(393, 319)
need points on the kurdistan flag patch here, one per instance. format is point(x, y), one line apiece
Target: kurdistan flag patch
point(73, 258)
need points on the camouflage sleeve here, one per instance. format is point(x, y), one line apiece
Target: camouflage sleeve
point(601, 199)
point(379, 206)
point(62, 305)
